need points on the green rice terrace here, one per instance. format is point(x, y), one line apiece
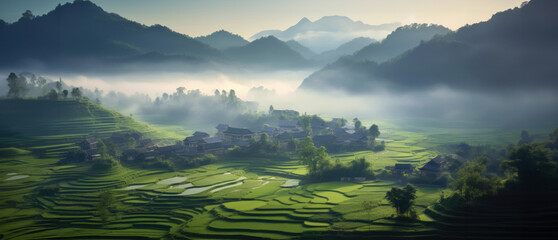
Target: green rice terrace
point(235, 197)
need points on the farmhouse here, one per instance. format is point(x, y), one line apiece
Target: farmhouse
point(238, 135)
point(401, 168)
point(285, 136)
point(220, 129)
point(123, 137)
point(288, 126)
point(325, 140)
point(89, 142)
point(433, 168)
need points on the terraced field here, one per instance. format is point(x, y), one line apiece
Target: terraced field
point(234, 198)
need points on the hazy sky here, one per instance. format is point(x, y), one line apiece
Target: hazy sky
point(247, 17)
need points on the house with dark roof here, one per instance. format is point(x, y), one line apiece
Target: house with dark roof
point(288, 126)
point(318, 125)
point(403, 168)
point(286, 136)
point(433, 168)
point(238, 135)
point(89, 142)
point(325, 140)
point(270, 131)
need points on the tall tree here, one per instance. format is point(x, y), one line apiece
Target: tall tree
point(17, 86)
point(310, 155)
point(357, 123)
point(59, 85)
point(472, 181)
point(374, 131)
point(76, 93)
point(180, 91)
point(402, 199)
point(532, 162)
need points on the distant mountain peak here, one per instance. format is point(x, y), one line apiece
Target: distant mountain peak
point(329, 32)
point(304, 20)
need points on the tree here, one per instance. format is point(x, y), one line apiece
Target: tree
point(271, 109)
point(525, 138)
point(471, 181)
point(357, 123)
point(27, 15)
point(101, 148)
point(402, 199)
point(59, 85)
point(106, 207)
point(306, 124)
point(17, 86)
point(217, 93)
point(132, 143)
point(532, 162)
point(374, 132)
point(311, 156)
point(180, 91)
point(291, 145)
point(65, 93)
point(76, 93)
point(263, 138)
point(52, 95)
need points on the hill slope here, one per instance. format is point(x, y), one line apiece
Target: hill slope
point(515, 49)
point(81, 33)
point(399, 41)
point(347, 48)
point(28, 123)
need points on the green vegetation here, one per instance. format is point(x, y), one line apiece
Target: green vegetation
point(229, 196)
point(403, 200)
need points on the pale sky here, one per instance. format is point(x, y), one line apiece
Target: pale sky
point(247, 17)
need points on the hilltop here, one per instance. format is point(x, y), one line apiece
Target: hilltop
point(223, 40)
point(267, 52)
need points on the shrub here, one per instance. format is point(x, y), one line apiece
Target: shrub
point(105, 162)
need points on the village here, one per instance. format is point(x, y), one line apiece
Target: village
point(335, 135)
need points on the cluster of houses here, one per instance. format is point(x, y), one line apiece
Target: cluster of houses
point(89, 143)
point(328, 134)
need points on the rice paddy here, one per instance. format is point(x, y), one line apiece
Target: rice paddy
point(240, 198)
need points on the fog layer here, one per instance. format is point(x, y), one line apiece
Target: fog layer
point(138, 95)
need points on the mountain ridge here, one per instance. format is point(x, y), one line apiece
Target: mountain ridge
point(514, 50)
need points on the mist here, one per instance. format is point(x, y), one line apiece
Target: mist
point(142, 96)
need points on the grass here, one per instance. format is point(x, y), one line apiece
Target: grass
point(255, 207)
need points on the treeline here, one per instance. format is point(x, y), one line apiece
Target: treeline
point(322, 168)
point(529, 169)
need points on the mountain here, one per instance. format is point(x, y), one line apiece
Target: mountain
point(81, 34)
point(514, 50)
point(399, 41)
point(304, 51)
point(345, 49)
point(328, 32)
point(267, 52)
point(223, 40)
